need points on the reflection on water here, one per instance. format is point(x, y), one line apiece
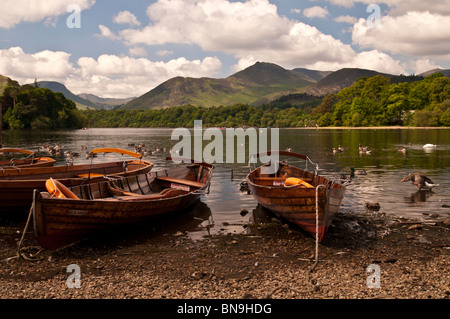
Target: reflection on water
point(419, 196)
point(385, 166)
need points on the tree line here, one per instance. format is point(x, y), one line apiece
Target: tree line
point(31, 107)
point(376, 101)
point(370, 101)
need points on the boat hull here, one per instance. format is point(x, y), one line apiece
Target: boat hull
point(58, 222)
point(296, 204)
point(62, 222)
point(31, 162)
point(16, 188)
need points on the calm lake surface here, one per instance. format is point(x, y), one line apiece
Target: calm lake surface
point(385, 167)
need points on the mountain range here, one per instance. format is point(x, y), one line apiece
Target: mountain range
point(83, 100)
point(260, 83)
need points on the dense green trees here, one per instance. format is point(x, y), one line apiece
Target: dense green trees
point(184, 116)
point(29, 106)
point(376, 101)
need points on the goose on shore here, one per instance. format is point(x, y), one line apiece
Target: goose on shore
point(420, 180)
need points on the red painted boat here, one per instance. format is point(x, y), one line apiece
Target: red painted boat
point(296, 195)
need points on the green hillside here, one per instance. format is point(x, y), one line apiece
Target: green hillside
point(3, 83)
point(81, 103)
point(260, 83)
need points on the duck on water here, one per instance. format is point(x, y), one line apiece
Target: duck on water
point(420, 180)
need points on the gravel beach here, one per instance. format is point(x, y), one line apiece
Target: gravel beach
point(364, 256)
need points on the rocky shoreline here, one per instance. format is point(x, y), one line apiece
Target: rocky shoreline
point(364, 256)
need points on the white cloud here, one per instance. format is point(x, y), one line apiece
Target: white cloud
point(400, 7)
point(236, 28)
point(315, 12)
point(115, 76)
point(14, 12)
point(106, 76)
point(419, 34)
point(126, 17)
point(105, 32)
point(421, 65)
point(137, 51)
point(164, 52)
point(346, 19)
point(44, 65)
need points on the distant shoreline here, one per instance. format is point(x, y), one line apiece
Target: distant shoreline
point(371, 128)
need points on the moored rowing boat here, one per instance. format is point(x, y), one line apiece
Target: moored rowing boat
point(16, 186)
point(19, 163)
point(90, 208)
point(298, 202)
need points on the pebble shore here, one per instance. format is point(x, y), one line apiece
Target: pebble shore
point(366, 256)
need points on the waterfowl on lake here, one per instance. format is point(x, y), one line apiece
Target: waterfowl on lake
point(420, 180)
point(429, 146)
point(364, 152)
point(341, 148)
point(363, 148)
point(402, 149)
point(336, 150)
point(354, 172)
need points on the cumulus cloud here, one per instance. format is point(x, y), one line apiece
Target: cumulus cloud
point(137, 51)
point(14, 12)
point(346, 19)
point(106, 76)
point(315, 12)
point(236, 28)
point(421, 65)
point(419, 34)
point(122, 76)
point(126, 17)
point(400, 7)
point(24, 67)
point(106, 33)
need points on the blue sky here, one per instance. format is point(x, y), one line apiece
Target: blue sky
point(126, 48)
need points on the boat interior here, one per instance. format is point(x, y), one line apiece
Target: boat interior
point(287, 175)
point(152, 185)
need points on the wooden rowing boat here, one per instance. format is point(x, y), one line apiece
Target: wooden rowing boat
point(29, 161)
point(295, 194)
point(17, 185)
point(116, 202)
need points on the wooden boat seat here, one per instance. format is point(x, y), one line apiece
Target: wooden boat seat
point(181, 181)
point(166, 193)
point(269, 179)
point(91, 175)
point(114, 190)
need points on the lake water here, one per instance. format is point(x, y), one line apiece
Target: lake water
point(385, 166)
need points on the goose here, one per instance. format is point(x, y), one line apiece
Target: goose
point(363, 148)
point(403, 149)
point(420, 180)
point(354, 172)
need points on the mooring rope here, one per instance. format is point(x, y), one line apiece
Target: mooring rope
point(19, 252)
point(316, 253)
